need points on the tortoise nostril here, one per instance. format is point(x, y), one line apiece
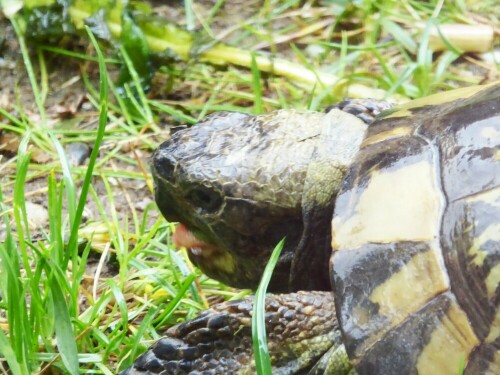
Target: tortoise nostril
point(163, 165)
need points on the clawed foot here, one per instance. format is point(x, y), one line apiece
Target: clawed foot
point(301, 327)
point(366, 110)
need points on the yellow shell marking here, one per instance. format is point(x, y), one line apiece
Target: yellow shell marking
point(491, 233)
point(451, 342)
point(402, 204)
point(491, 197)
point(407, 290)
point(494, 368)
point(492, 281)
point(494, 328)
point(439, 98)
point(491, 133)
point(397, 132)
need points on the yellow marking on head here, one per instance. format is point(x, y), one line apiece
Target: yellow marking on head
point(416, 283)
point(402, 204)
point(439, 98)
point(451, 342)
point(223, 261)
point(494, 328)
point(397, 132)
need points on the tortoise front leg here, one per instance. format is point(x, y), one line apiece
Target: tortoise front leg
point(301, 329)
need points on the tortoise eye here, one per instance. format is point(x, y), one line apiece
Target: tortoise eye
point(204, 199)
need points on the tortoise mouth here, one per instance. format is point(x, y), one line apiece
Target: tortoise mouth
point(199, 249)
point(211, 259)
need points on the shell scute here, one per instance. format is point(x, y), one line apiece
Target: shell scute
point(416, 240)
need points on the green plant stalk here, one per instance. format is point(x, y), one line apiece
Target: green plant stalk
point(261, 353)
point(162, 36)
point(220, 54)
point(180, 261)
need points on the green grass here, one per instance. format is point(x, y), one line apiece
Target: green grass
point(262, 358)
point(89, 294)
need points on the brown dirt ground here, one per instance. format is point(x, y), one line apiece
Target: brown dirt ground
point(67, 100)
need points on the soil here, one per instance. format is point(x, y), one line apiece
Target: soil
point(67, 99)
point(67, 106)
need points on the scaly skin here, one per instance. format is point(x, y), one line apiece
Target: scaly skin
point(237, 190)
point(414, 234)
point(301, 328)
point(233, 182)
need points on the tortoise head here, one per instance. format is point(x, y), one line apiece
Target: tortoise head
point(241, 183)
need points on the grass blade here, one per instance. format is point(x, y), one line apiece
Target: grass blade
point(160, 321)
point(135, 344)
point(103, 117)
point(9, 355)
point(18, 350)
point(30, 71)
point(261, 353)
point(257, 87)
point(66, 341)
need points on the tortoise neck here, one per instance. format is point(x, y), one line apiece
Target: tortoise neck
point(335, 151)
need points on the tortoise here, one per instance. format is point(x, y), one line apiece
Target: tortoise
point(415, 234)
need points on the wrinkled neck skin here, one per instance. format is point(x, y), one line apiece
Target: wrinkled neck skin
point(240, 183)
point(339, 143)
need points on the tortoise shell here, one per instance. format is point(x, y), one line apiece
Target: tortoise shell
point(416, 239)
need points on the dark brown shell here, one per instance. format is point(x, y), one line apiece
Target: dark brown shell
point(416, 239)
